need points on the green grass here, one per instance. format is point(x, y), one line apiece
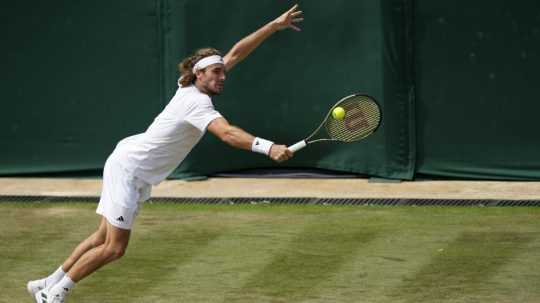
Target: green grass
point(271, 253)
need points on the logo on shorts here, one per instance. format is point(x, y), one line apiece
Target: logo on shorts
point(121, 219)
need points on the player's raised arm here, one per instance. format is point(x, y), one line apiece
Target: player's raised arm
point(244, 47)
point(238, 138)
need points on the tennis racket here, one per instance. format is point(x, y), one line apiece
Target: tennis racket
point(362, 118)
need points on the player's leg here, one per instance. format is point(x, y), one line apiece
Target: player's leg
point(118, 191)
point(118, 221)
point(114, 247)
point(94, 240)
point(118, 206)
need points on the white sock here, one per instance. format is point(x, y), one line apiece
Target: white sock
point(55, 277)
point(63, 286)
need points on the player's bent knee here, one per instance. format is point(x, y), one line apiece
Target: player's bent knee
point(114, 252)
point(118, 254)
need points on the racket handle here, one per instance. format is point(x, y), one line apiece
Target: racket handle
point(297, 146)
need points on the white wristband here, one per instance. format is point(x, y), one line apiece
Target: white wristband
point(261, 145)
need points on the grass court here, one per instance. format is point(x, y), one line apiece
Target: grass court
point(285, 253)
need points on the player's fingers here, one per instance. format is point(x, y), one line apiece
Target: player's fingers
point(297, 19)
point(293, 8)
point(296, 28)
point(283, 157)
point(296, 13)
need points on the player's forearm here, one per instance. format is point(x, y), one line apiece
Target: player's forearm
point(238, 138)
point(245, 46)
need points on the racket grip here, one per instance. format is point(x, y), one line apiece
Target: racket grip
point(297, 146)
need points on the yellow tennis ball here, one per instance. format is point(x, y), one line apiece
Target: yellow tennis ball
point(338, 113)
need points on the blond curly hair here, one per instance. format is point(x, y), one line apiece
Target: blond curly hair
point(186, 66)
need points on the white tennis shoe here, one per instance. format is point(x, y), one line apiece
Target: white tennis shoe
point(44, 296)
point(35, 286)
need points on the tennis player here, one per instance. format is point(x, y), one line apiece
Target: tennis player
point(141, 161)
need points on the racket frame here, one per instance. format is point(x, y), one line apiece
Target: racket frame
point(303, 143)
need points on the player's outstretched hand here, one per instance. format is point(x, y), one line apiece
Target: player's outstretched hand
point(289, 19)
point(280, 153)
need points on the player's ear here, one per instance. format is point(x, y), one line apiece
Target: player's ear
point(199, 73)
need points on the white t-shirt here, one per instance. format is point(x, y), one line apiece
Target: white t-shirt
point(154, 154)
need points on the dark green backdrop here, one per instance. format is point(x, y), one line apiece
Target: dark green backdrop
point(477, 81)
point(457, 86)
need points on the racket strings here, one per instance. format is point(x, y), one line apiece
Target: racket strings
point(362, 117)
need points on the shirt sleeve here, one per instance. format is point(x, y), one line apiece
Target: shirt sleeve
point(202, 113)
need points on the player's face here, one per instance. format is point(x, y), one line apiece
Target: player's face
point(212, 79)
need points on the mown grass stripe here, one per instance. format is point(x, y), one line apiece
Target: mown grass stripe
point(311, 258)
point(465, 268)
point(251, 240)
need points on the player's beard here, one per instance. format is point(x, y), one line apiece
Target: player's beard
point(216, 89)
point(211, 87)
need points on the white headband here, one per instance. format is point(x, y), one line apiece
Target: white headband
point(206, 61)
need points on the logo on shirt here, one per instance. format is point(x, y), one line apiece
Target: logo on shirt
point(121, 219)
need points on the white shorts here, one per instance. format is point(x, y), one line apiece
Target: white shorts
point(122, 194)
